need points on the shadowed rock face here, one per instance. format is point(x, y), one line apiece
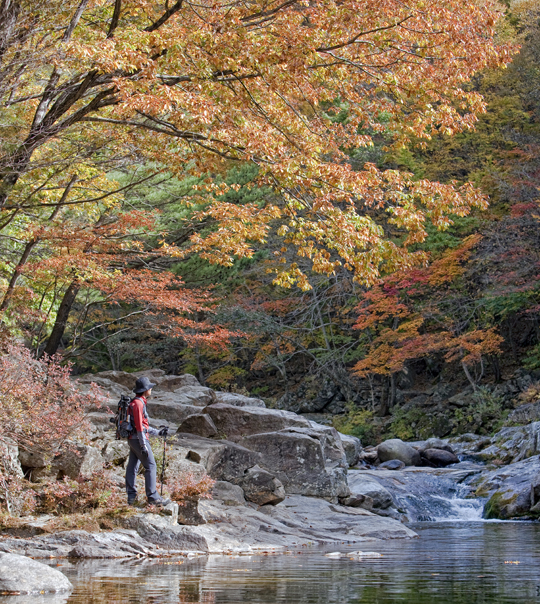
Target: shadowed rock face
point(297, 458)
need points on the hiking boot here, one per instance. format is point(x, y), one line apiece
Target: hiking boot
point(161, 503)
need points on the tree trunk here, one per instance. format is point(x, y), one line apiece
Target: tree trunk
point(16, 274)
point(61, 319)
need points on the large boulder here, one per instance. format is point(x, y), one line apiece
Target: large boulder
point(508, 489)
point(235, 422)
point(222, 459)
point(302, 460)
point(238, 400)
point(262, 487)
point(395, 448)
point(22, 575)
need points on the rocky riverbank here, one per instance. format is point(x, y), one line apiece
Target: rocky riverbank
point(281, 481)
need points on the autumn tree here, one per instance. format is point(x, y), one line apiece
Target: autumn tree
point(421, 312)
point(195, 85)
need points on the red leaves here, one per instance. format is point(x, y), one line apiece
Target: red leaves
point(39, 405)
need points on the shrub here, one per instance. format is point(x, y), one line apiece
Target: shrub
point(39, 406)
point(189, 487)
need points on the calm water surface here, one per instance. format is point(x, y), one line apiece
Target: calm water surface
point(460, 563)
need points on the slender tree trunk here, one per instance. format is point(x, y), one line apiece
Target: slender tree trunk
point(16, 274)
point(30, 245)
point(62, 315)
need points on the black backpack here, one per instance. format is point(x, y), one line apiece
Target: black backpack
point(122, 419)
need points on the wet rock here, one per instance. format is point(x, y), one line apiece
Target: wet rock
point(508, 489)
point(393, 464)
point(118, 544)
point(360, 483)
point(397, 449)
point(262, 487)
point(239, 400)
point(438, 458)
point(228, 493)
point(298, 458)
point(352, 447)
point(22, 575)
point(200, 424)
point(236, 422)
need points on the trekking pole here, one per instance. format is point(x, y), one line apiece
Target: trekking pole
point(163, 464)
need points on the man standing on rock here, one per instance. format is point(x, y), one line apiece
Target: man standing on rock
point(140, 451)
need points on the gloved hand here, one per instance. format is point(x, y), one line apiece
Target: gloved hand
point(163, 432)
point(144, 450)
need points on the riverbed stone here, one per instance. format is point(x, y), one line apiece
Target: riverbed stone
point(22, 575)
point(393, 464)
point(360, 483)
point(439, 458)
point(508, 489)
point(395, 448)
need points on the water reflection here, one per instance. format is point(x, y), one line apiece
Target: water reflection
point(481, 563)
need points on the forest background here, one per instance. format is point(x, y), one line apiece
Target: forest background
point(277, 198)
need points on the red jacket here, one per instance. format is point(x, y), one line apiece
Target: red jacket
point(139, 415)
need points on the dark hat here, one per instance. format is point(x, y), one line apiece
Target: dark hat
point(142, 385)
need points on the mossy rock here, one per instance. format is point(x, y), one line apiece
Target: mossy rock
point(504, 505)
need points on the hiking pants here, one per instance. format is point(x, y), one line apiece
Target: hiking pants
point(135, 459)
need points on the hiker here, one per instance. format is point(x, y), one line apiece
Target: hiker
point(140, 451)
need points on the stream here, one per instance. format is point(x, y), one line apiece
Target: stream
point(450, 563)
point(456, 559)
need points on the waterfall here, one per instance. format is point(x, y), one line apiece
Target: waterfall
point(428, 495)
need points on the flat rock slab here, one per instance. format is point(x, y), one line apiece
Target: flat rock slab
point(22, 575)
point(295, 522)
